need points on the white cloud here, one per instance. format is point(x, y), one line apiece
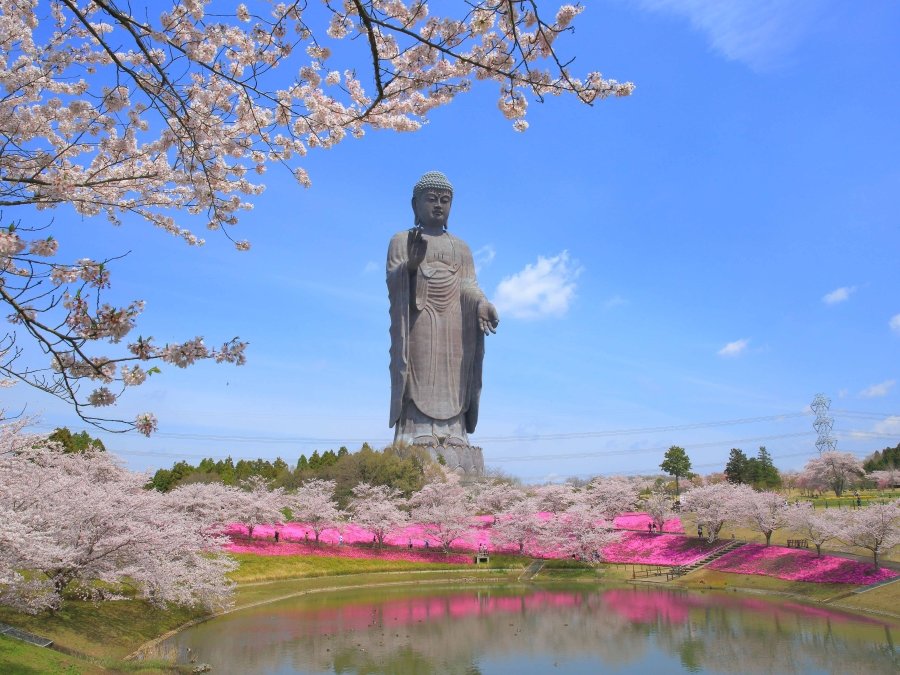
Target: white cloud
point(734, 348)
point(841, 294)
point(756, 32)
point(888, 426)
point(878, 390)
point(615, 301)
point(484, 256)
point(371, 267)
point(894, 323)
point(543, 289)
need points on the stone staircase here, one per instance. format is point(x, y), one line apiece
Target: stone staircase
point(681, 570)
point(25, 636)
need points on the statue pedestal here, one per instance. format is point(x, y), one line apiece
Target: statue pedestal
point(467, 460)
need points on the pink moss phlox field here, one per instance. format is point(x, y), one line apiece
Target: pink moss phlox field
point(640, 521)
point(658, 549)
point(794, 565)
point(415, 544)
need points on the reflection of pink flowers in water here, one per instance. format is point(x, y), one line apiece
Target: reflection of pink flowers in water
point(658, 549)
point(642, 607)
point(635, 605)
point(794, 565)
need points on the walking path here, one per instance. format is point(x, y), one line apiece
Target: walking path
point(530, 571)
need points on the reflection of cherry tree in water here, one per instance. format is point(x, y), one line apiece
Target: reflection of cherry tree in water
point(412, 633)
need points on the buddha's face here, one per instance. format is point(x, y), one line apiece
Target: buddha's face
point(432, 208)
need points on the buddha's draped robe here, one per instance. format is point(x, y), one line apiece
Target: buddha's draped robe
point(436, 345)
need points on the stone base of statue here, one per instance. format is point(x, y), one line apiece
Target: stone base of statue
point(463, 459)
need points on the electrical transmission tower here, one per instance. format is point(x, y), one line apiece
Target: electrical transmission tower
point(823, 423)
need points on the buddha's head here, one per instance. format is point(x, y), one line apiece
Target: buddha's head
point(431, 201)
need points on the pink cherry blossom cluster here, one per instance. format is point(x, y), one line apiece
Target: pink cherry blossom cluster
point(80, 522)
point(83, 320)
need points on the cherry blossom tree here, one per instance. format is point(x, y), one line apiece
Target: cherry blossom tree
point(497, 496)
point(73, 520)
point(817, 525)
point(443, 511)
point(766, 512)
point(611, 496)
point(714, 505)
point(378, 508)
point(835, 470)
point(875, 527)
point(885, 478)
point(258, 504)
point(580, 531)
point(313, 504)
point(658, 506)
point(211, 505)
point(164, 115)
point(555, 497)
point(520, 525)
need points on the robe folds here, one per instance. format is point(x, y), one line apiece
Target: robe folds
point(437, 347)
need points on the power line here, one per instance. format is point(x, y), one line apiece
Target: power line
point(517, 458)
point(641, 430)
point(641, 451)
point(298, 440)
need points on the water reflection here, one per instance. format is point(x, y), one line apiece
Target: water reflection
point(491, 630)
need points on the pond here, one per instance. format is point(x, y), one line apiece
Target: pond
point(524, 630)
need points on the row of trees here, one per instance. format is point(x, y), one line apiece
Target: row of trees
point(759, 471)
point(570, 520)
point(832, 470)
point(874, 528)
point(402, 468)
point(883, 460)
point(80, 522)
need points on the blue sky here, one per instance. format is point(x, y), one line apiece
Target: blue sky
point(719, 247)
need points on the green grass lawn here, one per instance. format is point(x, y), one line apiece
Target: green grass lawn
point(105, 630)
point(712, 579)
point(21, 658)
point(256, 568)
point(884, 599)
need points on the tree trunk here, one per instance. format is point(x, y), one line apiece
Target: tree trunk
point(819, 550)
point(768, 537)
